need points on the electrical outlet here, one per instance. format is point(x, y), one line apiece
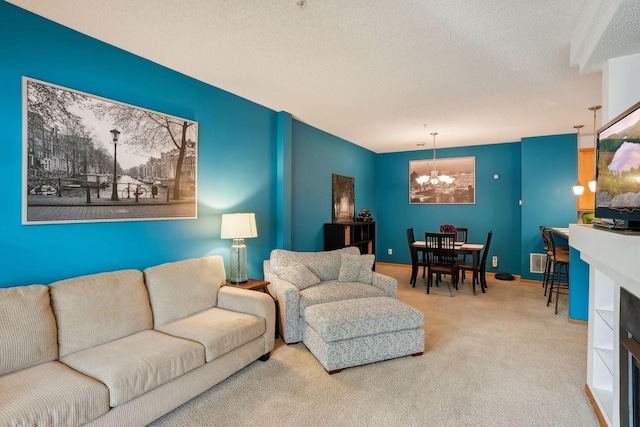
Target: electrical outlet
point(494, 261)
point(390, 251)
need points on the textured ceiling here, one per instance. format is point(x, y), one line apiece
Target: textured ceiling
point(373, 72)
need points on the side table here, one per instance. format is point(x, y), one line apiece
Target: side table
point(258, 285)
point(251, 284)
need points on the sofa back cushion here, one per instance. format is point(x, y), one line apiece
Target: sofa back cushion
point(325, 265)
point(179, 289)
point(95, 309)
point(27, 328)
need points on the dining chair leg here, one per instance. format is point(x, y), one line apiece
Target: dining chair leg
point(414, 275)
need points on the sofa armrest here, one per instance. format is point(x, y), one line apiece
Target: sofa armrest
point(388, 284)
point(251, 302)
point(288, 296)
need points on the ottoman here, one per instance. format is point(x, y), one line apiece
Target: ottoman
point(354, 332)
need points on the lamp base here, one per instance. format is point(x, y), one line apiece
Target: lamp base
point(239, 264)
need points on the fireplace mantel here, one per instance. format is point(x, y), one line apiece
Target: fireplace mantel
point(614, 262)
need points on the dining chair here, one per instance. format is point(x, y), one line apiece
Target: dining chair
point(462, 234)
point(559, 262)
point(417, 258)
point(441, 258)
point(479, 272)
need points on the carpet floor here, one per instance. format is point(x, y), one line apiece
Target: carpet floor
point(497, 359)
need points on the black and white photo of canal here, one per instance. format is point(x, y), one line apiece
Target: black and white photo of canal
point(91, 159)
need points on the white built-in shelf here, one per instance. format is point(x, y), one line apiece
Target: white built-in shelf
point(606, 314)
point(612, 259)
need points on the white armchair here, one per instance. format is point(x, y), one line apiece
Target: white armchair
point(301, 279)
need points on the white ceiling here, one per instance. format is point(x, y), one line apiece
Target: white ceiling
point(373, 72)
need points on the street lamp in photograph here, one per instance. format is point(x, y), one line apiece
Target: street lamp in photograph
point(114, 187)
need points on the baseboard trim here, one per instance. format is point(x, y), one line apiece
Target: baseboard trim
point(488, 273)
point(531, 281)
point(595, 406)
point(577, 322)
point(390, 264)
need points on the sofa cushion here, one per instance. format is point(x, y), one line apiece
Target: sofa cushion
point(95, 309)
point(336, 291)
point(325, 265)
point(180, 289)
point(218, 330)
point(133, 365)
point(356, 268)
point(50, 394)
point(27, 328)
point(297, 274)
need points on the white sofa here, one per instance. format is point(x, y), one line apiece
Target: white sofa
point(301, 279)
point(125, 347)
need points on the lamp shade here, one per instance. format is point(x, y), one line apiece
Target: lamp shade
point(239, 225)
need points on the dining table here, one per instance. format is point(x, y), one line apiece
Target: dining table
point(460, 248)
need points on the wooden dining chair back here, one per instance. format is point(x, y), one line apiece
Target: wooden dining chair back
point(462, 234)
point(417, 258)
point(483, 262)
point(441, 258)
point(479, 271)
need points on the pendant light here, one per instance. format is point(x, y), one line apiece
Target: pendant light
point(433, 179)
point(592, 183)
point(578, 189)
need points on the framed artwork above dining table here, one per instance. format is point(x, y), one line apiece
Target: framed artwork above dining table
point(443, 181)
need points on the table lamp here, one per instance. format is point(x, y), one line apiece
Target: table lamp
point(238, 226)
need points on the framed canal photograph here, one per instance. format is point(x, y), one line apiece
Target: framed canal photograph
point(443, 181)
point(88, 159)
point(343, 205)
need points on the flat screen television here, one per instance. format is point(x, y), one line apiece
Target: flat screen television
point(618, 172)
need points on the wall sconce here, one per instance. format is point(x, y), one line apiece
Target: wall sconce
point(238, 226)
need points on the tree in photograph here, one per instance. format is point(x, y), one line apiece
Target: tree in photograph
point(53, 104)
point(148, 131)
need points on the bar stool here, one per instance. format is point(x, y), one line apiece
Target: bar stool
point(559, 262)
point(560, 250)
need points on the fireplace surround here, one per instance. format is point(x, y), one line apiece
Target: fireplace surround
point(614, 291)
point(629, 359)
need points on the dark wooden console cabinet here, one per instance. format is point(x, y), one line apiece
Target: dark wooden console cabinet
point(359, 234)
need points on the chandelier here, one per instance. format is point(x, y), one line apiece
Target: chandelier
point(434, 179)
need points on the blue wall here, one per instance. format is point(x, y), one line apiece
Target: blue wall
point(579, 289)
point(548, 175)
point(35, 47)
point(240, 143)
point(316, 156)
point(496, 206)
point(284, 172)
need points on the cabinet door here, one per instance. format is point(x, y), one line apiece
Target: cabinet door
point(586, 172)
